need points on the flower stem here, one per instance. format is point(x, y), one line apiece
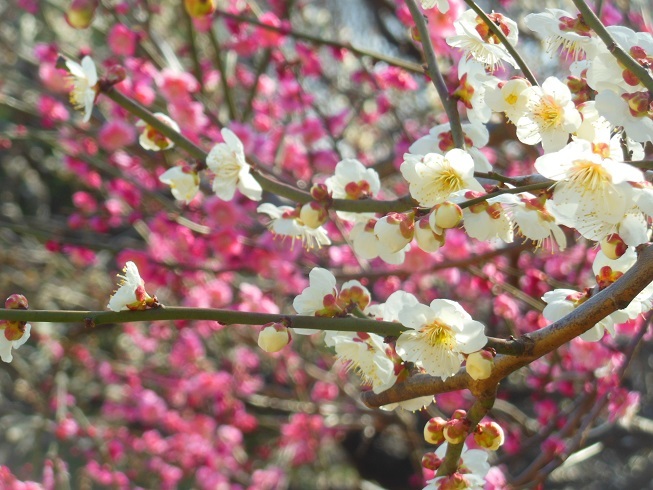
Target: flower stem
point(502, 37)
point(642, 74)
point(448, 102)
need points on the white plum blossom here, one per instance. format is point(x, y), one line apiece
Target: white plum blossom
point(505, 97)
point(477, 41)
point(589, 189)
point(184, 182)
point(471, 90)
point(368, 246)
point(440, 140)
point(629, 110)
point(366, 354)
point(609, 270)
point(227, 161)
point(550, 115)
point(561, 302)
point(560, 29)
point(320, 294)
point(433, 178)
point(437, 335)
point(152, 139)
point(131, 294)
point(6, 345)
point(84, 81)
point(486, 220)
point(535, 222)
point(472, 469)
point(285, 221)
point(606, 73)
point(352, 180)
point(389, 311)
point(594, 127)
point(322, 298)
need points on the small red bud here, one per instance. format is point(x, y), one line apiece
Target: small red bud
point(16, 302)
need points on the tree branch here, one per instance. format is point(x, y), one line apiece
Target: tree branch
point(448, 102)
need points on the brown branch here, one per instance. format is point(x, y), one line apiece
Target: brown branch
point(536, 344)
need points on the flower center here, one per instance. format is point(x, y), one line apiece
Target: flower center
point(589, 175)
point(449, 180)
point(439, 334)
point(548, 112)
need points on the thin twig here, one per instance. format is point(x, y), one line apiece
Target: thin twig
point(448, 102)
point(590, 18)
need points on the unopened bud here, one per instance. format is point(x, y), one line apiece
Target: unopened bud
point(414, 33)
point(489, 435)
point(81, 12)
point(320, 192)
point(16, 302)
point(313, 214)
point(431, 462)
point(395, 230)
point(479, 364)
point(354, 293)
point(199, 8)
point(433, 430)
point(446, 215)
point(114, 75)
point(456, 481)
point(456, 430)
point(613, 246)
point(459, 414)
point(427, 239)
point(273, 337)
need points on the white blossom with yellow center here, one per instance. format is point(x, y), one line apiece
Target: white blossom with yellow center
point(433, 177)
point(590, 191)
point(551, 115)
point(438, 335)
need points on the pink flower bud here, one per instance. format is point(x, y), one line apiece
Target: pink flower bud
point(431, 462)
point(114, 75)
point(320, 192)
point(16, 302)
point(433, 430)
point(479, 364)
point(489, 435)
point(453, 482)
point(456, 430)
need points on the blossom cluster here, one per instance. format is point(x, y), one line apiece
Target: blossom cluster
point(240, 108)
